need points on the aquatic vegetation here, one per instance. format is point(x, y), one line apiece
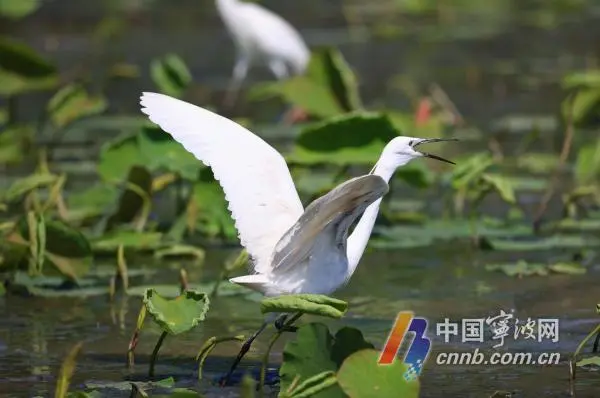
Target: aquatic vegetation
point(66, 372)
point(150, 199)
point(523, 268)
point(589, 362)
point(174, 317)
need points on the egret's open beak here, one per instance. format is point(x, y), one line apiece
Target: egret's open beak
point(429, 155)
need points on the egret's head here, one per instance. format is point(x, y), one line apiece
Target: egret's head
point(402, 150)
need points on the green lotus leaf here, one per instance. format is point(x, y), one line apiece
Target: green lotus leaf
point(177, 315)
point(308, 356)
point(360, 376)
point(308, 303)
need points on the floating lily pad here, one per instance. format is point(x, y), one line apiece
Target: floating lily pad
point(54, 287)
point(125, 386)
point(180, 250)
point(541, 163)
point(180, 314)
point(83, 394)
point(308, 303)
point(423, 235)
point(526, 183)
point(129, 240)
point(181, 393)
point(590, 363)
point(548, 243)
point(586, 224)
point(524, 268)
point(360, 376)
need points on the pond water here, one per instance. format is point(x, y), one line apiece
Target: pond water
point(515, 69)
point(36, 334)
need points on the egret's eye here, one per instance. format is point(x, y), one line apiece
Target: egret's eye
point(411, 142)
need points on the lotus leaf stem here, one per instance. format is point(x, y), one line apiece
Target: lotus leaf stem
point(265, 361)
point(208, 346)
point(580, 347)
point(155, 353)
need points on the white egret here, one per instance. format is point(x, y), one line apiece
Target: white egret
point(292, 251)
point(261, 37)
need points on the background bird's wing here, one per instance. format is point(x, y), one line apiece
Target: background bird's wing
point(258, 186)
point(345, 203)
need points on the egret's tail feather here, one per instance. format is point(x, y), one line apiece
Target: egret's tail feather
point(257, 282)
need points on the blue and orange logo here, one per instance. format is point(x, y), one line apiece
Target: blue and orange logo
point(419, 348)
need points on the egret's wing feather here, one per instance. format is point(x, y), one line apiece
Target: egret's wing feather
point(258, 186)
point(342, 205)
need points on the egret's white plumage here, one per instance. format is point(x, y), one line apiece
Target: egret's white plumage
point(293, 250)
point(255, 178)
point(261, 37)
point(265, 205)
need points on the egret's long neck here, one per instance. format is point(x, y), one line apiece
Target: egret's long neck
point(227, 9)
point(357, 241)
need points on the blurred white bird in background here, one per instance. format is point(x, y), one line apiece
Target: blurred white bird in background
point(293, 250)
point(261, 37)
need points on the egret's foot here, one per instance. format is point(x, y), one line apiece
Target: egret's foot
point(281, 326)
point(280, 322)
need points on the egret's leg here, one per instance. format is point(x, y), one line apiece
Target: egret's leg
point(279, 69)
point(279, 322)
point(245, 348)
point(240, 71)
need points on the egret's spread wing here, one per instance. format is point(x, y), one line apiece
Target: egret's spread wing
point(342, 205)
point(258, 186)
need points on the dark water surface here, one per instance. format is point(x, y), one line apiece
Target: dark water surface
point(516, 70)
point(36, 333)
